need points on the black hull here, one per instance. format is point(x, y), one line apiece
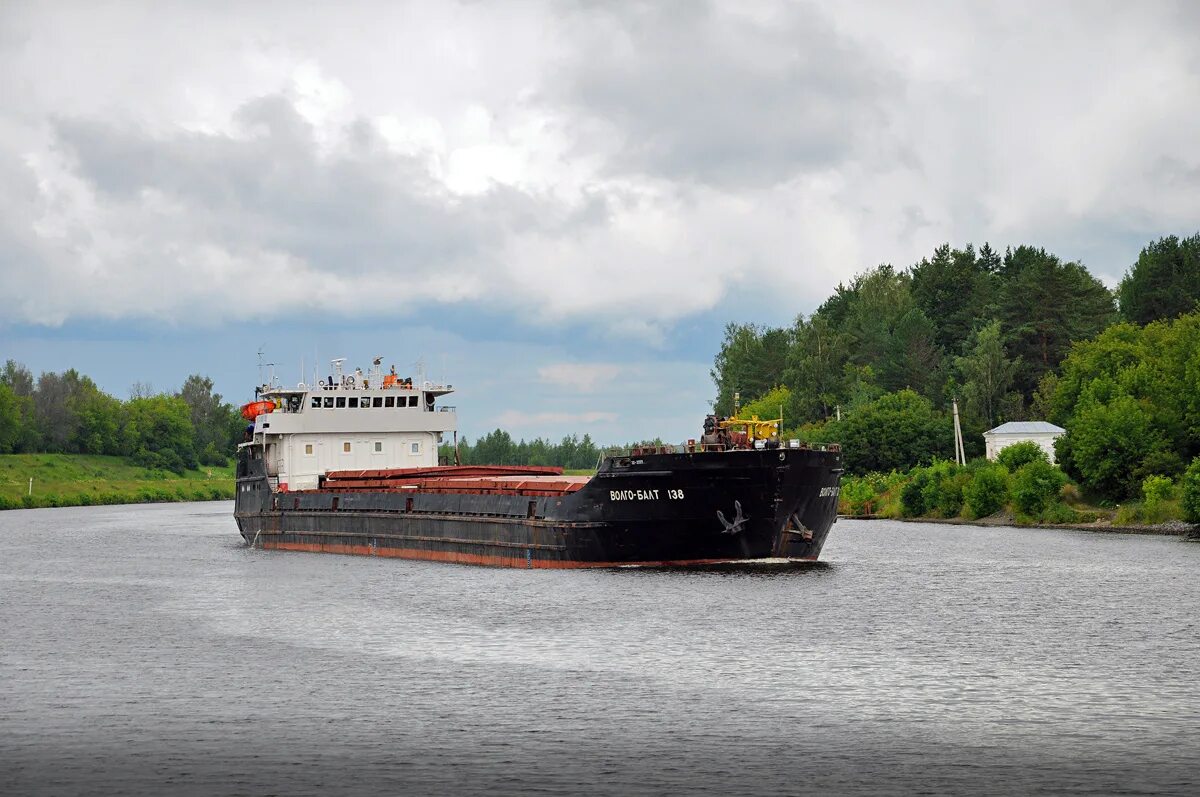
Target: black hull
point(657, 509)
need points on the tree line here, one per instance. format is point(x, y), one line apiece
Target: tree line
point(499, 448)
point(1019, 336)
point(67, 413)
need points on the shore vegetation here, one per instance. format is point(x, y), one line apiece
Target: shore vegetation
point(95, 479)
point(1018, 335)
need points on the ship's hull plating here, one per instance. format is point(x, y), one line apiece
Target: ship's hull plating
point(657, 509)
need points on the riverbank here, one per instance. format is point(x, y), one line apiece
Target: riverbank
point(92, 479)
point(1170, 529)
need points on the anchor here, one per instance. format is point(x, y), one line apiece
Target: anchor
point(799, 528)
point(738, 519)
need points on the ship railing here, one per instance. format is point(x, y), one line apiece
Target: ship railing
point(693, 447)
point(696, 447)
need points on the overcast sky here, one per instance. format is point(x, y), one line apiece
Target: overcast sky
point(557, 206)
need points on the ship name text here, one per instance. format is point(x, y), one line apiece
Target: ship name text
point(643, 495)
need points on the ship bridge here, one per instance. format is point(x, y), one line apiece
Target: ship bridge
point(347, 421)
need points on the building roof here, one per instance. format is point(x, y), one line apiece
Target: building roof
point(1026, 427)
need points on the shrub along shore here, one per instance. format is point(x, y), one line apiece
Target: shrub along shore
point(92, 479)
point(1021, 488)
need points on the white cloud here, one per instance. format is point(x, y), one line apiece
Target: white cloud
point(580, 377)
point(618, 167)
point(517, 419)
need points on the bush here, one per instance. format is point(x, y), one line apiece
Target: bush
point(1191, 492)
point(211, 456)
point(987, 492)
point(858, 496)
point(1035, 485)
point(1156, 489)
point(1057, 512)
point(1019, 454)
point(943, 492)
point(166, 459)
point(912, 495)
point(1160, 462)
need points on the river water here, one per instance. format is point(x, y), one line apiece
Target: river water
point(145, 648)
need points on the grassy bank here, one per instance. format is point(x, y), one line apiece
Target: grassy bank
point(1033, 494)
point(87, 479)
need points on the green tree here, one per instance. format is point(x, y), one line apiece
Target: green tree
point(912, 494)
point(1164, 282)
point(1158, 368)
point(494, 448)
point(217, 424)
point(1109, 439)
point(986, 373)
point(1190, 492)
point(814, 370)
point(158, 432)
point(958, 290)
point(751, 361)
point(98, 417)
point(57, 420)
point(1035, 486)
point(769, 405)
point(18, 431)
point(870, 310)
point(895, 432)
point(1018, 454)
point(1046, 305)
point(942, 493)
point(10, 419)
point(912, 357)
point(987, 492)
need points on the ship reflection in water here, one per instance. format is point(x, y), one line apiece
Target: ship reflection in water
point(147, 650)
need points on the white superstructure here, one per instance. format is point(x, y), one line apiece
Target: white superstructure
point(350, 422)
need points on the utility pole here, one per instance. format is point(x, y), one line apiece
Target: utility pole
point(960, 455)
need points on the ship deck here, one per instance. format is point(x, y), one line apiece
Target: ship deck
point(462, 479)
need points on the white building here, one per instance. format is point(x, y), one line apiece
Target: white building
point(1004, 435)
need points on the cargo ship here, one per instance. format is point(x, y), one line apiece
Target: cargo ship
point(349, 464)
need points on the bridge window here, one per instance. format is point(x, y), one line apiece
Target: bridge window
point(341, 402)
point(390, 401)
point(412, 401)
point(366, 402)
point(377, 401)
point(354, 402)
point(316, 402)
point(328, 404)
